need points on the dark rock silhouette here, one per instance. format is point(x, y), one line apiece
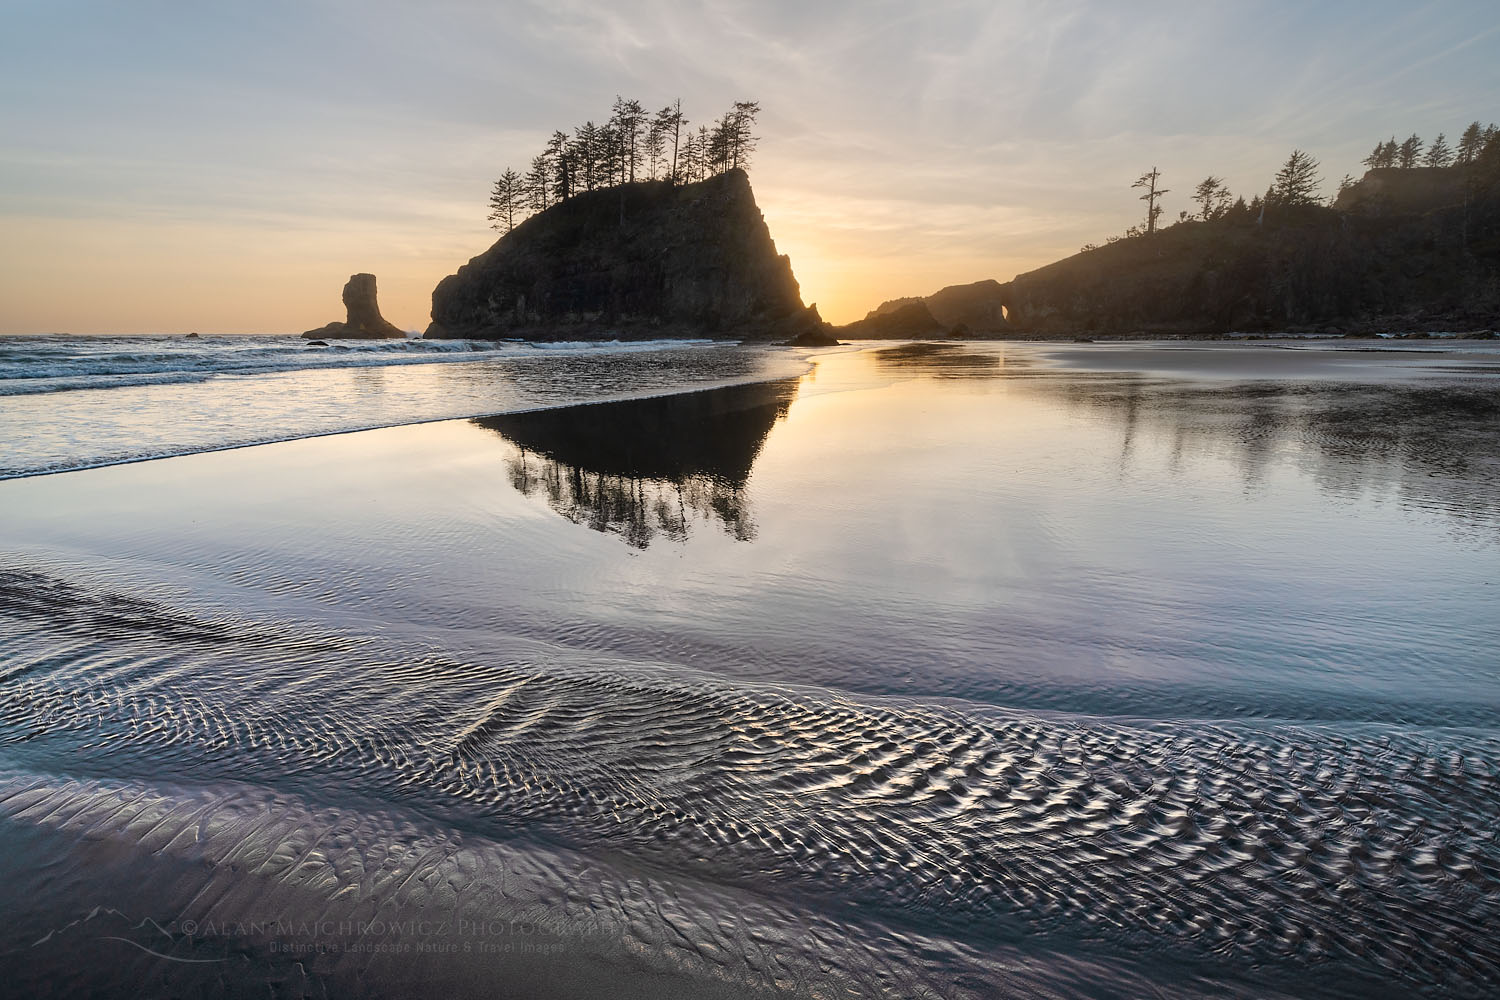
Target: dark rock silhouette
point(1408, 189)
point(193, 336)
point(818, 335)
point(977, 308)
point(640, 260)
point(1400, 250)
point(362, 315)
point(902, 318)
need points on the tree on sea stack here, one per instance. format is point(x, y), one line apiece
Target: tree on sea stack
point(539, 184)
point(507, 201)
point(594, 157)
point(739, 124)
point(1469, 144)
point(1296, 182)
point(1439, 154)
point(1151, 197)
point(627, 118)
point(1409, 152)
point(670, 120)
point(561, 160)
point(1212, 198)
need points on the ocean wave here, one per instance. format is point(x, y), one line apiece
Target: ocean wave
point(41, 364)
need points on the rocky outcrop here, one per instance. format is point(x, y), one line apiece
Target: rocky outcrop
point(642, 260)
point(362, 315)
point(817, 334)
point(978, 307)
point(1417, 252)
point(975, 309)
point(909, 320)
point(1404, 189)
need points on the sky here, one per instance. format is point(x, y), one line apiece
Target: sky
point(224, 167)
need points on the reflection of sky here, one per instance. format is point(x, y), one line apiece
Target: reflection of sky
point(1096, 542)
point(226, 167)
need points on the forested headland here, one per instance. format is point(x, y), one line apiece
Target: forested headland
point(1411, 246)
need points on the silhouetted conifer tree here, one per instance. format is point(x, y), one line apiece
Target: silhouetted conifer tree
point(1409, 152)
point(701, 152)
point(1296, 182)
point(740, 136)
point(1212, 198)
point(1469, 144)
point(507, 201)
point(1153, 195)
point(539, 183)
point(559, 155)
point(670, 120)
point(719, 143)
point(627, 119)
point(588, 150)
point(655, 145)
point(1439, 154)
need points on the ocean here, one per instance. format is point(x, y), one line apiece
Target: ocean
point(683, 670)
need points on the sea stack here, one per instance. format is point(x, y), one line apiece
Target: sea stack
point(362, 315)
point(636, 261)
point(976, 309)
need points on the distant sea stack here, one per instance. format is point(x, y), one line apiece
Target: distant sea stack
point(1400, 250)
point(363, 320)
point(903, 319)
point(637, 261)
point(975, 309)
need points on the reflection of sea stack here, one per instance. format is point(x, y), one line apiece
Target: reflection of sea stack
point(363, 321)
point(641, 467)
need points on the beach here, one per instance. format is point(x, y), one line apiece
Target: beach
point(930, 669)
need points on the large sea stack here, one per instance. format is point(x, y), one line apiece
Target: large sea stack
point(362, 315)
point(642, 260)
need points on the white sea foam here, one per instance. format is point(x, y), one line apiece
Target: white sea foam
point(78, 402)
point(66, 363)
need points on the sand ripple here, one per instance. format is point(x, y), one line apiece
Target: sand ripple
point(1345, 859)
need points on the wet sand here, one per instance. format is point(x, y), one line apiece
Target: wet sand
point(945, 670)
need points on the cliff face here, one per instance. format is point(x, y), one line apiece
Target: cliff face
point(1395, 253)
point(640, 260)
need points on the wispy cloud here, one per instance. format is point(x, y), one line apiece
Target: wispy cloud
point(905, 145)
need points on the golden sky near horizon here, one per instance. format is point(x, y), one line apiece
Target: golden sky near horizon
point(167, 167)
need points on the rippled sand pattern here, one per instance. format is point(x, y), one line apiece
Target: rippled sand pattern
point(1370, 851)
